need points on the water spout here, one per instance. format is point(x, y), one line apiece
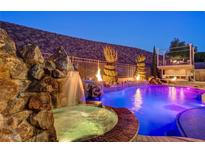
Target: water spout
point(72, 90)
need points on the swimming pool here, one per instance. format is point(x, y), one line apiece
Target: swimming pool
point(156, 107)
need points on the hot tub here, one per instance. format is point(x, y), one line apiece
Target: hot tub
point(82, 122)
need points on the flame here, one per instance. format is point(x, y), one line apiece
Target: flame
point(98, 75)
point(174, 78)
point(138, 77)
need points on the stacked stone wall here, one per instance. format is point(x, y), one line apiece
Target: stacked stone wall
point(29, 90)
point(48, 42)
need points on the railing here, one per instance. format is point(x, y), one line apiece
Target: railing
point(79, 59)
point(187, 56)
point(88, 67)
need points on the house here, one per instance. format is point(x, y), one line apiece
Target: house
point(178, 64)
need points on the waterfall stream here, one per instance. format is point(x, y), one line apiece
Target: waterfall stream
point(72, 90)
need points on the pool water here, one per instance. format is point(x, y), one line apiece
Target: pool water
point(156, 107)
point(81, 122)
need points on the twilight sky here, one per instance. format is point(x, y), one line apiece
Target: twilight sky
point(135, 29)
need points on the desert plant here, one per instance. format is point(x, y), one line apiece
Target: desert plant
point(140, 72)
point(110, 73)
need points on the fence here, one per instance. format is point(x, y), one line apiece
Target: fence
point(88, 68)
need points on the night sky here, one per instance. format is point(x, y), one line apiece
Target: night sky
point(135, 29)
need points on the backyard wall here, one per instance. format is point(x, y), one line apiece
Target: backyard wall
point(199, 71)
point(200, 74)
point(48, 42)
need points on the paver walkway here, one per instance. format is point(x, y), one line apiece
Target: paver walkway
point(141, 138)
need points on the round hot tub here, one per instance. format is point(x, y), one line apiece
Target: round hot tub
point(83, 122)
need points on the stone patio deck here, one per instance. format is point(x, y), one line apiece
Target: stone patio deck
point(141, 138)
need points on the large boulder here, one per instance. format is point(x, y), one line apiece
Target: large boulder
point(16, 105)
point(31, 54)
point(15, 119)
point(1, 121)
point(25, 130)
point(21, 116)
point(58, 74)
point(3, 106)
point(11, 66)
point(9, 135)
point(54, 99)
point(62, 61)
point(43, 119)
point(4, 72)
point(39, 102)
point(36, 86)
point(37, 71)
point(47, 84)
point(49, 67)
point(45, 136)
point(7, 45)
point(42, 137)
point(18, 69)
point(8, 91)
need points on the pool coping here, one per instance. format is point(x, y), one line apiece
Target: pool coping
point(118, 88)
point(185, 86)
point(113, 89)
point(125, 130)
point(181, 129)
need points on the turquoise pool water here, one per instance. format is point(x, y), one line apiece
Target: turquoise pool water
point(156, 107)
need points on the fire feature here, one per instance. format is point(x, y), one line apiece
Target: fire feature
point(98, 75)
point(138, 77)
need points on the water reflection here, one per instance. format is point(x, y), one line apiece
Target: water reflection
point(172, 93)
point(175, 94)
point(181, 94)
point(137, 100)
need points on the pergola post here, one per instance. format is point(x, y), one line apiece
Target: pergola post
point(190, 53)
